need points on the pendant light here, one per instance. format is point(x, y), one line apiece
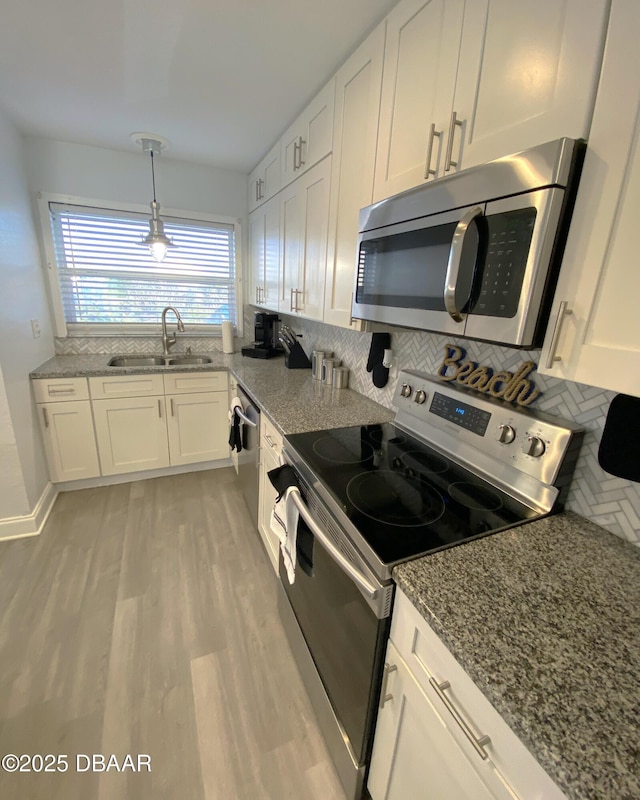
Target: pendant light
point(156, 240)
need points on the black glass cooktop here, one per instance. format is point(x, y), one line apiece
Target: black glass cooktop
point(404, 497)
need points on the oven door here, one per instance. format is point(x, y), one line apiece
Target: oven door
point(420, 273)
point(342, 631)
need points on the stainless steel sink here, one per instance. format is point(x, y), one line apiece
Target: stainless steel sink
point(137, 361)
point(188, 360)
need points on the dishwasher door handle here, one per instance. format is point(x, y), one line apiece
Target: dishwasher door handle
point(363, 583)
point(244, 417)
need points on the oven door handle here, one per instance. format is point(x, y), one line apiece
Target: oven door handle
point(453, 265)
point(365, 585)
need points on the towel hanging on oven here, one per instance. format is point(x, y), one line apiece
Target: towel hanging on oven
point(284, 516)
point(235, 432)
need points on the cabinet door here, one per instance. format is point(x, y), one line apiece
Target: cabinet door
point(265, 179)
point(272, 260)
point(69, 440)
point(256, 257)
point(131, 434)
point(309, 138)
point(290, 242)
point(314, 195)
point(268, 461)
point(420, 64)
point(414, 753)
point(594, 335)
point(197, 425)
point(528, 73)
point(358, 85)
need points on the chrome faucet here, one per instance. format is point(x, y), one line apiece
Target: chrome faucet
point(169, 340)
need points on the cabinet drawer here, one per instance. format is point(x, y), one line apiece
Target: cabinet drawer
point(465, 707)
point(125, 386)
point(56, 390)
point(185, 382)
point(270, 436)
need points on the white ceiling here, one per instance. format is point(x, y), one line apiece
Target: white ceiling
point(219, 78)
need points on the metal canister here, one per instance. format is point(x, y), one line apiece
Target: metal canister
point(328, 365)
point(340, 377)
point(316, 362)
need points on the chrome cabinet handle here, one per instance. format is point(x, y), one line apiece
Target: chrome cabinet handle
point(432, 135)
point(269, 440)
point(173, 409)
point(448, 161)
point(160, 408)
point(563, 311)
point(356, 576)
point(258, 189)
point(297, 153)
point(453, 265)
point(384, 696)
point(478, 743)
point(52, 391)
point(294, 304)
point(45, 415)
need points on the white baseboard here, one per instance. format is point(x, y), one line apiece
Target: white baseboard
point(30, 524)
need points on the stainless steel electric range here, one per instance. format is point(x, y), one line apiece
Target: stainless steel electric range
point(454, 466)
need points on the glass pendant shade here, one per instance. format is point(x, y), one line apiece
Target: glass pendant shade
point(156, 240)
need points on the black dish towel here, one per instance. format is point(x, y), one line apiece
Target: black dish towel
point(235, 435)
point(282, 478)
point(379, 343)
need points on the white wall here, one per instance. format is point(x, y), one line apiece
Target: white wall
point(22, 299)
point(96, 172)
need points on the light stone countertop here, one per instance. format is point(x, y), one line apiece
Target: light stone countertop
point(545, 618)
point(290, 397)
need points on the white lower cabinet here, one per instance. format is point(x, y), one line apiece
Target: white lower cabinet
point(69, 440)
point(131, 434)
point(132, 423)
point(197, 427)
point(270, 447)
point(437, 736)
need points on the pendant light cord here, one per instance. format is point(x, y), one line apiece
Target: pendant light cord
point(153, 177)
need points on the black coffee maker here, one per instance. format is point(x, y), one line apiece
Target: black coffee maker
point(266, 333)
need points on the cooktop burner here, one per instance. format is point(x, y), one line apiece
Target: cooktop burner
point(403, 497)
point(393, 498)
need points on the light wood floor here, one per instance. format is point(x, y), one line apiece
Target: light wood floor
point(143, 620)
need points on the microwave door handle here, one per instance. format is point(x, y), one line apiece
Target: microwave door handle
point(453, 266)
point(365, 586)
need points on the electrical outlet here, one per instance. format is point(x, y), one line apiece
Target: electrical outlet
point(35, 328)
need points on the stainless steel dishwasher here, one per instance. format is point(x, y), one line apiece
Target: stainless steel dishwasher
point(248, 456)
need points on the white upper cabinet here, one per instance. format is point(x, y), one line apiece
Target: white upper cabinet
point(264, 254)
point(304, 222)
point(266, 178)
point(309, 138)
point(527, 74)
point(594, 335)
point(420, 65)
point(358, 84)
point(465, 83)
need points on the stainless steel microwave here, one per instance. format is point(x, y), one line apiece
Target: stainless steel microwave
point(475, 254)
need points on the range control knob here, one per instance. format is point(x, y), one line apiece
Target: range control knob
point(507, 434)
point(405, 390)
point(420, 397)
point(534, 446)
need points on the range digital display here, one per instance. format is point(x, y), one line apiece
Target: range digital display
point(469, 417)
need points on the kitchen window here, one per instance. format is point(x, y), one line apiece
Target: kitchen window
point(103, 281)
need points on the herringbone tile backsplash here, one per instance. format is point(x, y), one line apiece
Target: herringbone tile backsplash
point(611, 502)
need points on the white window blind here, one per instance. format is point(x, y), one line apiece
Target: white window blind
point(107, 277)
